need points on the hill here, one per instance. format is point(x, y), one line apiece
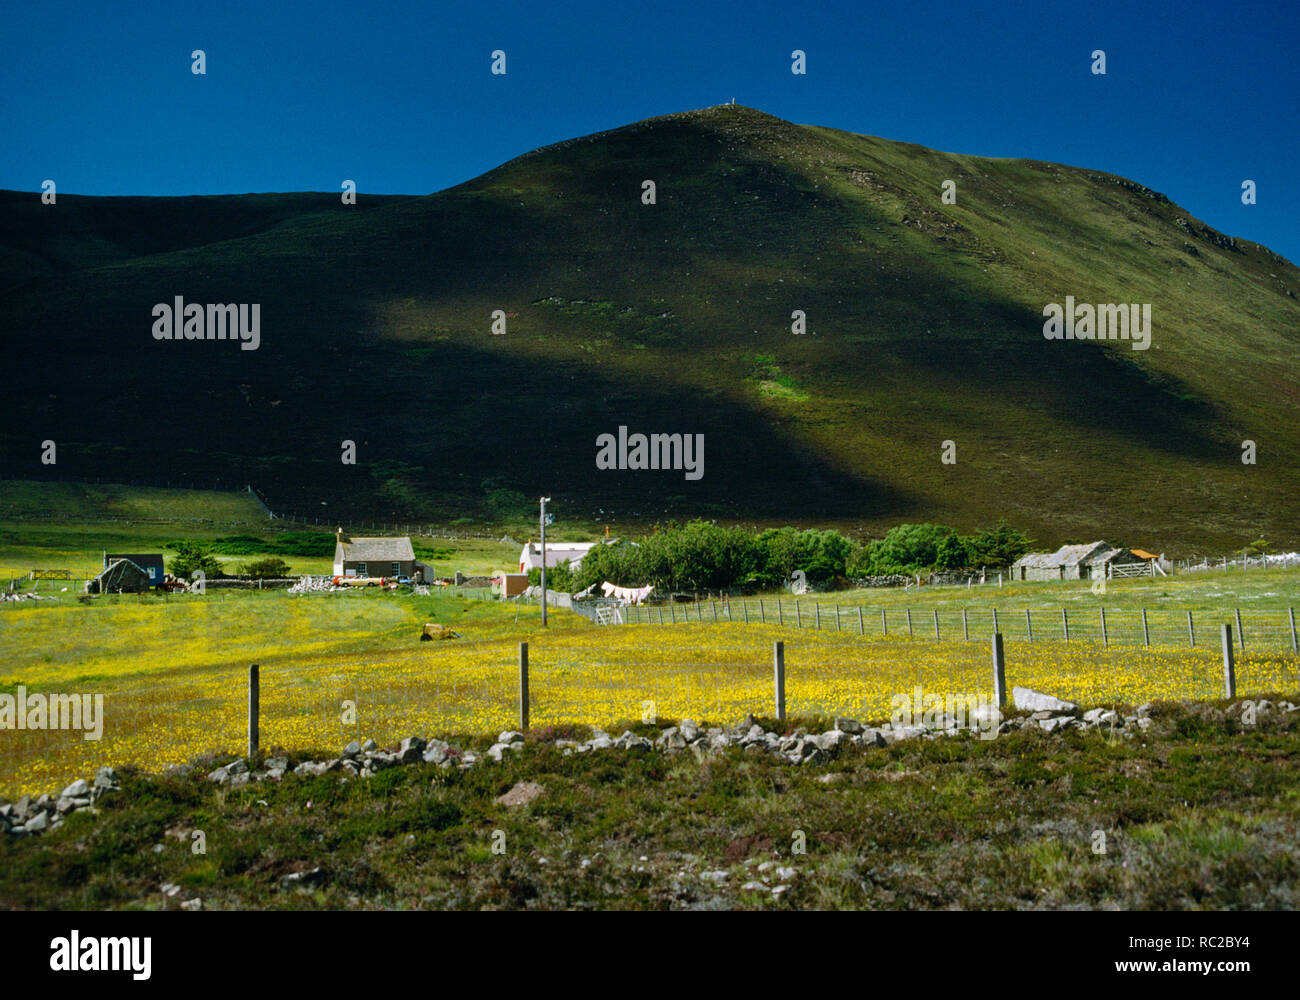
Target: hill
point(925, 324)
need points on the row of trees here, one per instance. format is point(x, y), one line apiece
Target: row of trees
point(702, 555)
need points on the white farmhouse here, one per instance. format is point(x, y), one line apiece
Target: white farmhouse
point(556, 553)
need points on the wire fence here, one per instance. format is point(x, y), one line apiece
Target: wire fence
point(601, 677)
point(1262, 628)
point(1284, 560)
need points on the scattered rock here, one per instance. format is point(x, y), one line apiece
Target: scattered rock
point(497, 750)
point(301, 880)
point(77, 789)
point(521, 794)
point(1029, 700)
point(1103, 717)
point(435, 755)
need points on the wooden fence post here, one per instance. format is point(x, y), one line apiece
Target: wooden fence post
point(523, 686)
point(1105, 640)
point(1291, 614)
point(909, 623)
point(1229, 668)
point(1065, 624)
point(778, 665)
point(860, 632)
point(1191, 631)
point(995, 619)
point(254, 709)
point(798, 614)
point(1146, 633)
point(817, 608)
point(1241, 635)
point(1029, 626)
point(965, 625)
point(744, 607)
point(762, 612)
point(999, 671)
point(936, 623)
point(884, 624)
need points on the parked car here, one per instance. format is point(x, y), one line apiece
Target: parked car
point(404, 580)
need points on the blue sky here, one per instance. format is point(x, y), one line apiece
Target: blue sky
point(398, 96)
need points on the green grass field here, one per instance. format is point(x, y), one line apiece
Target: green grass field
point(175, 664)
point(1197, 813)
point(70, 526)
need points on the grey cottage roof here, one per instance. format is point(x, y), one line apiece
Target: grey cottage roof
point(377, 550)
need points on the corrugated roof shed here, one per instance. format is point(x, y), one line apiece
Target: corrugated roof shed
point(1066, 555)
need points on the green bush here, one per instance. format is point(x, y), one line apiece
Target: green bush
point(913, 548)
point(907, 548)
point(192, 556)
point(558, 577)
point(997, 546)
point(820, 555)
point(265, 569)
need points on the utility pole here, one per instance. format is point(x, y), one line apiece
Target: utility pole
point(544, 501)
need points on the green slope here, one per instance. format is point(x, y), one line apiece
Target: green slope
point(925, 324)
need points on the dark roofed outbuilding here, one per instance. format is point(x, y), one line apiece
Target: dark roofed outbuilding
point(152, 564)
point(121, 576)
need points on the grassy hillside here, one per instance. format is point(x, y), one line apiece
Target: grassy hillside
point(70, 525)
point(924, 325)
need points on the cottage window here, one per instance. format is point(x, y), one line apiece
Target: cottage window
point(361, 569)
point(397, 569)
